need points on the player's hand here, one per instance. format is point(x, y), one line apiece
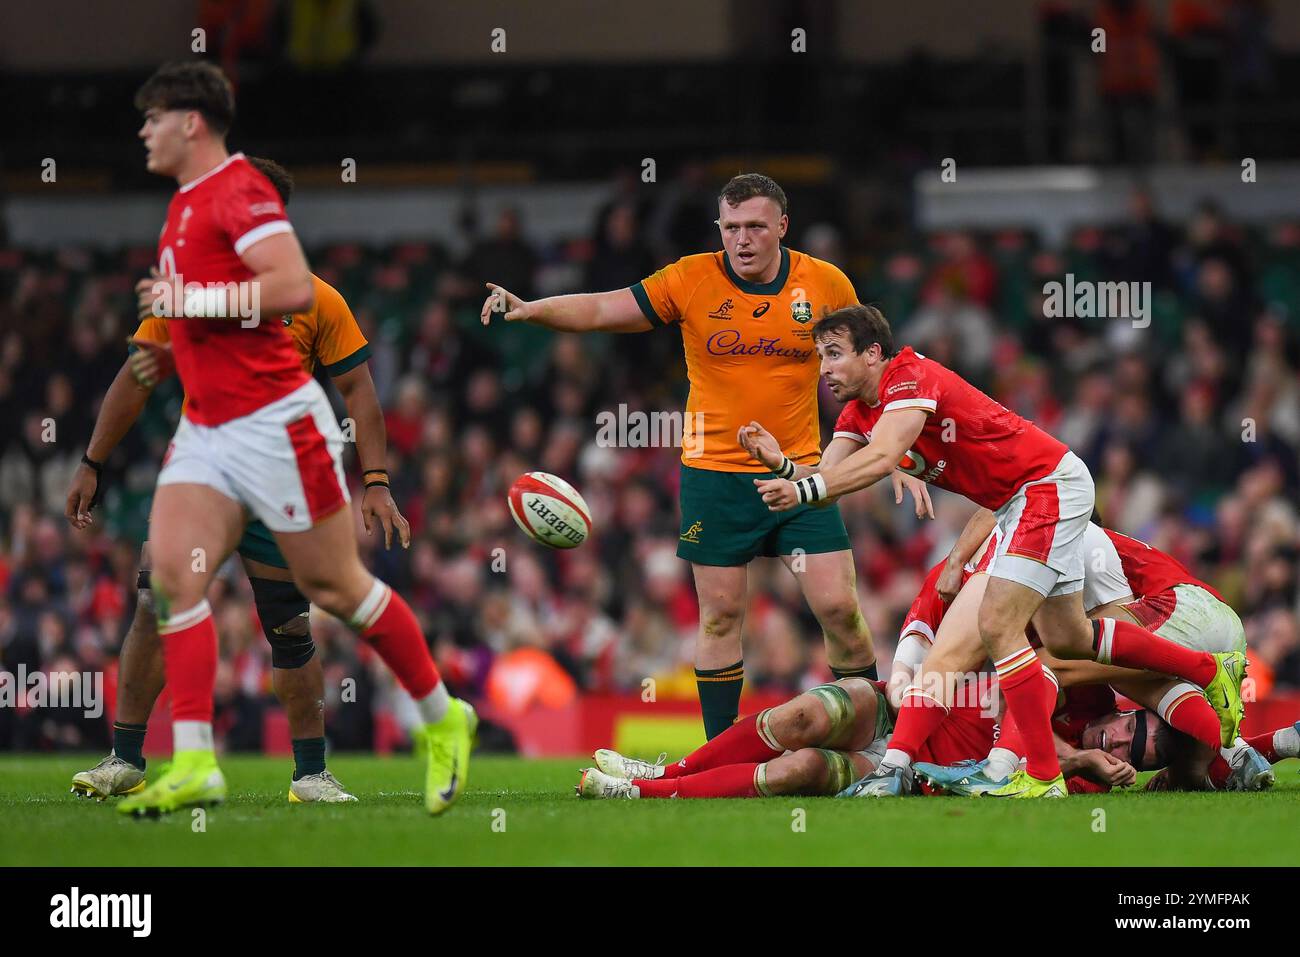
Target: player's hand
point(949, 582)
point(1102, 767)
point(920, 493)
point(501, 299)
point(377, 505)
point(778, 494)
point(761, 444)
point(146, 293)
point(82, 496)
point(152, 362)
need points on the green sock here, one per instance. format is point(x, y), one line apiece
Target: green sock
point(128, 742)
point(308, 756)
point(719, 690)
point(868, 672)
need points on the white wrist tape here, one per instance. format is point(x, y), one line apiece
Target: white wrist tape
point(811, 489)
point(786, 469)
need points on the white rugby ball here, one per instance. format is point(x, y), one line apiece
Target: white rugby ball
point(549, 510)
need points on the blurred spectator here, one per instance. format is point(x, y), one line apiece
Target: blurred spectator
point(1128, 76)
point(504, 258)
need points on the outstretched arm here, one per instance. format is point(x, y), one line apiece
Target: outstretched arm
point(615, 311)
point(891, 437)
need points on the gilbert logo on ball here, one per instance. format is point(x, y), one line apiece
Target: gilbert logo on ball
point(549, 510)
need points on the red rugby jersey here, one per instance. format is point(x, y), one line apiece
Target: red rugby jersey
point(228, 369)
point(970, 444)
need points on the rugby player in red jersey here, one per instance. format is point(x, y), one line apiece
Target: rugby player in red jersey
point(257, 437)
point(909, 409)
point(1124, 579)
point(822, 741)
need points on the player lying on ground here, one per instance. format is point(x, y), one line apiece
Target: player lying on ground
point(811, 744)
point(1088, 722)
point(743, 315)
point(820, 741)
point(327, 335)
point(258, 437)
point(1123, 577)
point(903, 407)
point(817, 743)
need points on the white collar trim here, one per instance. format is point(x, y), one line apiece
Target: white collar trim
point(216, 169)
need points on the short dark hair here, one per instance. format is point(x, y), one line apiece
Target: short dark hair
point(865, 325)
point(190, 85)
point(748, 185)
point(280, 177)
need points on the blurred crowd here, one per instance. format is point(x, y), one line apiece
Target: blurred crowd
point(1190, 425)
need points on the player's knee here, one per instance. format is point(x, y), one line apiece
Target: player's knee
point(842, 622)
point(720, 621)
point(175, 587)
point(863, 698)
point(284, 613)
point(996, 624)
point(326, 595)
point(801, 722)
point(832, 714)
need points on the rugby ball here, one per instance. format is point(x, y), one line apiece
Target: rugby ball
point(549, 510)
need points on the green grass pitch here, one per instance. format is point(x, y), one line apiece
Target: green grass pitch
point(524, 812)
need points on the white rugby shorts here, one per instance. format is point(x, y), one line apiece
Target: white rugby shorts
point(282, 462)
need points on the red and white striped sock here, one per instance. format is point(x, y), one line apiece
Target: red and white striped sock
point(189, 647)
point(1123, 643)
point(1031, 699)
point(1184, 708)
point(386, 621)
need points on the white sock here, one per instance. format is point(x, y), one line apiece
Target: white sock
point(1286, 741)
point(1234, 753)
point(894, 758)
point(1002, 763)
point(191, 736)
point(434, 705)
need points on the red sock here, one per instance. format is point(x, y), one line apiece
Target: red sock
point(386, 621)
point(1009, 735)
point(1218, 772)
point(1123, 643)
point(189, 647)
point(740, 743)
point(1263, 743)
point(729, 781)
point(1186, 710)
point(1031, 698)
point(918, 717)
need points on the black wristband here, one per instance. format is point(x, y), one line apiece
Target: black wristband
point(376, 482)
point(96, 467)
